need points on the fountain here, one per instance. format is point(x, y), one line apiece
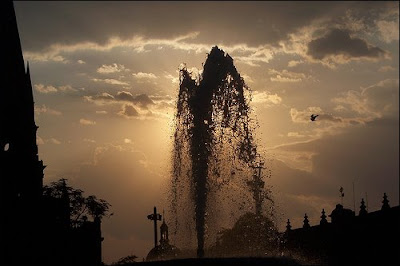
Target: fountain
point(213, 137)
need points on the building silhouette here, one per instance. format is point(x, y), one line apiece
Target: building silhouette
point(163, 251)
point(34, 228)
point(369, 238)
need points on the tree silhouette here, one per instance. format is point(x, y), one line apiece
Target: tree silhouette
point(80, 206)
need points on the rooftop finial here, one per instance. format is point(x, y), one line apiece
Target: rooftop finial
point(323, 218)
point(363, 208)
point(288, 226)
point(306, 222)
point(385, 202)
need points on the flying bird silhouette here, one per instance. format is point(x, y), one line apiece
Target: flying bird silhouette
point(313, 117)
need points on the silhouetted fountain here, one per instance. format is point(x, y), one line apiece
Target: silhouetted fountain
point(213, 130)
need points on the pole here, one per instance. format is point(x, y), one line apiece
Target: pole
point(155, 216)
point(155, 226)
point(354, 199)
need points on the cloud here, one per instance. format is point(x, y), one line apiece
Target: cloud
point(374, 101)
point(102, 112)
point(287, 76)
point(127, 141)
point(111, 81)
point(294, 63)
point(137, 43)
point(128, 111)
point(142, 100)
point(67, 88)
point(47, 110)
point(100, 99)
point(389, 30)
point(330, 118)
point(134, 19)
point(247, 78)
point(257, 55)
point(39, 140)
point(332, 124)
point(44, 89)
point(87, 122)
point(124, 96)
point(54, 141)
point(295, 134)
point(114, 68)
point(386, 69)
point(303, 116)
point(50, 89)
point(266, 98)
point(338, 160)
point(135, 106)
point(174, 79)
point(89, 140)
point(338, 43)
point(141, 75)
point(81, 62)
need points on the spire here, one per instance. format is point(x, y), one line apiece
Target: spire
point(164, 232)
point(288, 226)
point(363, 208)
point(12, 51)
point(385, 202)
point(28, 75)
point(29, 95)
point(306, 222)
point(24, 170)
point(323, 218)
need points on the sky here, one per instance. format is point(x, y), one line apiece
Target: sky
point(105, 78)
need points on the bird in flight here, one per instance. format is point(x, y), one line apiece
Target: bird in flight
point(313, 117)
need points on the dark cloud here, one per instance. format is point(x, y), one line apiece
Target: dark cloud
point(143, 100)
point(339, 42)
point(44, 23)
point(367, 155)
point(124, 96)
point(330, 118)
point(129, 111)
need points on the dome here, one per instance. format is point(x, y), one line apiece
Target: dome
point(164, 251)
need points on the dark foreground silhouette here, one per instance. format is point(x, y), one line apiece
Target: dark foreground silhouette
point(39, 225)
point(223, 261)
